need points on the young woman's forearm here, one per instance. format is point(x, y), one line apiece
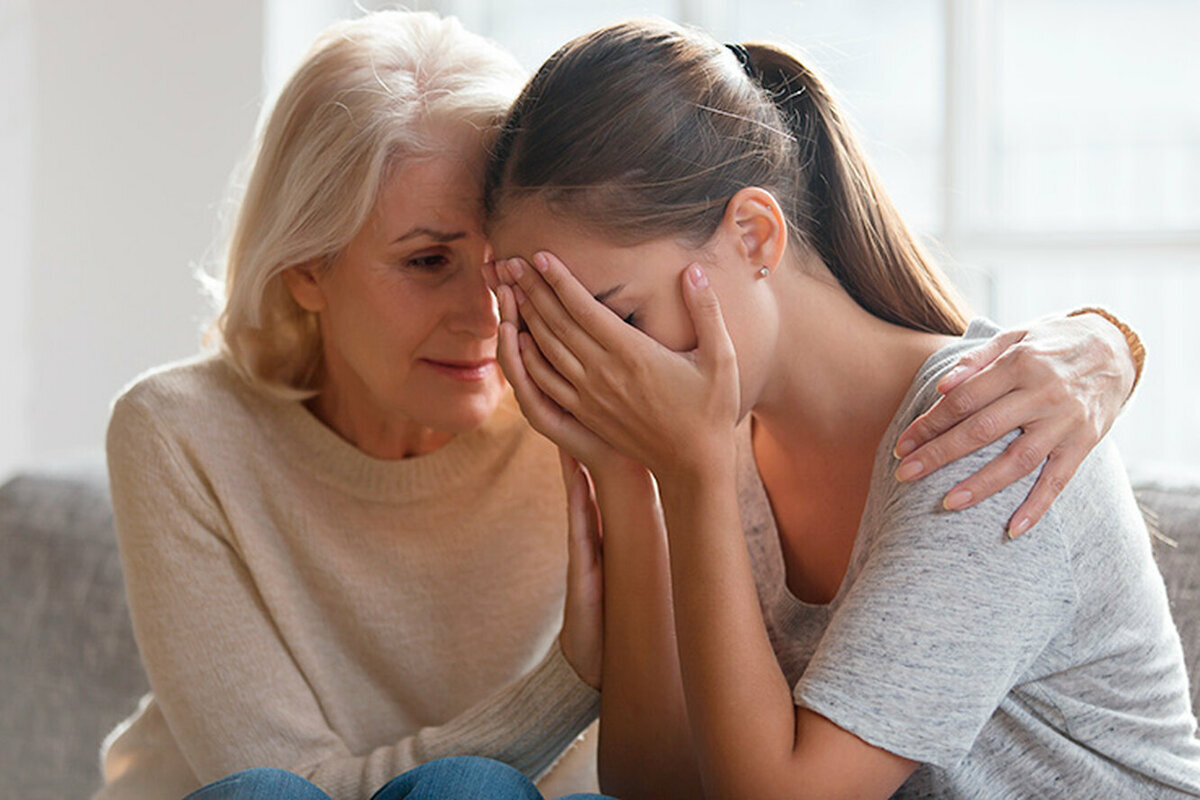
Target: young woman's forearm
point(740, 706)
point(645, 748)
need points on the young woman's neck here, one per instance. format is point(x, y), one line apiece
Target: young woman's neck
point(839, 373)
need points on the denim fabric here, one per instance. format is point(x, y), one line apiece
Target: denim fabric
point(262, 783)
point(454, 778)
point(466, 778)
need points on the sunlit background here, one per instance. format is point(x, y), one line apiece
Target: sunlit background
point(1050, 149)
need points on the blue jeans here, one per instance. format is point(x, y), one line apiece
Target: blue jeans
point(454, 778)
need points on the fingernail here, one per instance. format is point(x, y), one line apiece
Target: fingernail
point(944, 386)
point(904, 447)
point(952, 374)
point(515, 268)
point(697, 276)
point(541, 262)
point(909, 471)
point(1018, 527)
point(956, 500)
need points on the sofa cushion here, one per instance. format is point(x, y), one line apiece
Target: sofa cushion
point(1172, 510)
point(69, 668)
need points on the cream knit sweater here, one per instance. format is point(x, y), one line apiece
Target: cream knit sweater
point(300, 604)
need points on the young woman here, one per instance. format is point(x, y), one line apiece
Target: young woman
point(692, 237)
point(345, 551)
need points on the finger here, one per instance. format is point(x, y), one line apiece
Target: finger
point(583, 524)
point(505, 272)
point(1055, 476)
point(545, 377)
point(978, 430)
point(568, 464)
point(508, 305)
point(542, 299)
point(541, 412)
point(595, 529)
point(509, 355)
point(602, 323)
point(981, 390)
point(713, 346)
point(973, 362)
point(560, 356)
point(1022, 456)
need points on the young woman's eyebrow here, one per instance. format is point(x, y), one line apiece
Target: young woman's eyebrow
point(607, 293)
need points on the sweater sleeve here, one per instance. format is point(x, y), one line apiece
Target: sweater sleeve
point(231, 692)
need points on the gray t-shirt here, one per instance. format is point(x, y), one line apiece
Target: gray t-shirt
point(1047, 666)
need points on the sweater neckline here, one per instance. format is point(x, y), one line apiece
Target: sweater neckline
point(333, 460)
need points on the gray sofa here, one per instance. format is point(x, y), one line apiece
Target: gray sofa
point(69, 668)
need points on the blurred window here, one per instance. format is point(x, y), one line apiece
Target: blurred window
point(1097, 116)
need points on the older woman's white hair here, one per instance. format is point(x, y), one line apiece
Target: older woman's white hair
point(372, 92)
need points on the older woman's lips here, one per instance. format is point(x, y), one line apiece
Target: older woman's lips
point(464, 370)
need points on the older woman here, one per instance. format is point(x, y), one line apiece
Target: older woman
point(344, 548)
point(331, 558)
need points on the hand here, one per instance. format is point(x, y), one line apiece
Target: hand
point(582, 637)
point(1061, 381)
point(664, 409)
point(546, 417)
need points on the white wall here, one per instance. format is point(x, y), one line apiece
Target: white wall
point(289, 29)
point(140, 112)
point(16, 187)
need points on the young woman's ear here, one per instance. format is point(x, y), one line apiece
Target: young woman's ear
point(754, 216)
point(302, 282)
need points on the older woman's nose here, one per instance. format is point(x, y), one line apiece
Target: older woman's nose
point(475, 310)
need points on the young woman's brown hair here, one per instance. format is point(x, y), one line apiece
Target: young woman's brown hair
point(679, 125)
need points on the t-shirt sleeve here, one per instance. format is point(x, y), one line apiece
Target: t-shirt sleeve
point(943, 618)
point(227, 684)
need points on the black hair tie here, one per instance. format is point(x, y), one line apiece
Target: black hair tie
point(743, 57)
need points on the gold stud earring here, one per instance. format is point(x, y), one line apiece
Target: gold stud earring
point(763, 272)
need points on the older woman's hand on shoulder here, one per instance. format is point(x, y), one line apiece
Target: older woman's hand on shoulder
point(1063, 381)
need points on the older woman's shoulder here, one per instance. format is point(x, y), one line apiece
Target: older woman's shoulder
point(185, 394)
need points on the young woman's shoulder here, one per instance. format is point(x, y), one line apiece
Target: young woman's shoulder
point(1100, 486)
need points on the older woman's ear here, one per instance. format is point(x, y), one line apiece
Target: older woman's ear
point(303, 282)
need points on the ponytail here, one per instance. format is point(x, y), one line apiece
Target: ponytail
point(853, 226)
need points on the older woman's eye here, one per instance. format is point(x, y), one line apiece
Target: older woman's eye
point(429, 263)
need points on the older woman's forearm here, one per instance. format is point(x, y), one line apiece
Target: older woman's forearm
point(645, 748)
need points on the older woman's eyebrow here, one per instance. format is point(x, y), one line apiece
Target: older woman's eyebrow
point(436, 235)
point(607, 293)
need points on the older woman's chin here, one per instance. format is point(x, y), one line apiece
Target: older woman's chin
point(466, 409)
